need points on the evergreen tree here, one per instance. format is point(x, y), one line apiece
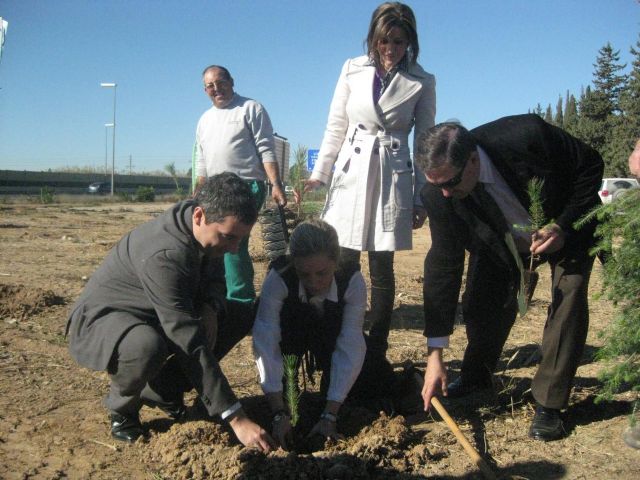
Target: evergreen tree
point(558, 119)
point(571, 114)
point(538, 111)
point(593, 117)
point(606, 78)
point(548, 116)
point(630, 103)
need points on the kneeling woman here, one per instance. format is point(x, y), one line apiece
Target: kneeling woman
point(306, 304)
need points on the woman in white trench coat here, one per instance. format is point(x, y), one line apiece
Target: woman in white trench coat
point(373, 199)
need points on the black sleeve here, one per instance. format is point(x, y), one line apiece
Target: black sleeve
point(443, 265)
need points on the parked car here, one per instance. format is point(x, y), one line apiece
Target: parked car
point(612, 188)
point(98, 188)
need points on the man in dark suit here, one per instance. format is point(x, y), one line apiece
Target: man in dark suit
point(476, 199)
point(153, 315)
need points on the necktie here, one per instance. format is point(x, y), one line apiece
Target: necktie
point(494, 217)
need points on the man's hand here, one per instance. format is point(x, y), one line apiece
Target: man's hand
point(251, 434)
point(310, 185)
point(435, 377)
point(419, 216)
point(278, 195)
point(548, 239)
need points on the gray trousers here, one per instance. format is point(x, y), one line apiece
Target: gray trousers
point(144, 370)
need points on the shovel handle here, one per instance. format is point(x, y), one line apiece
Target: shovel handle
point(473, 454)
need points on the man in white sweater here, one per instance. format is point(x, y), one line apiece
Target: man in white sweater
point(235, 135)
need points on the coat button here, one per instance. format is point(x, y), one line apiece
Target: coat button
point(361, 126)
point(357, 149)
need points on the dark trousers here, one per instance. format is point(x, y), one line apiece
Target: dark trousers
point(383, 291)
point(145, 369)
point(490, 310)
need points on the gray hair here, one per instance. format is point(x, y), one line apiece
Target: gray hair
point(227, 195)
point(313, 237)
point(448, 143)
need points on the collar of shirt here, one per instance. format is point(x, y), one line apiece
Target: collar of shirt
point(516, 215)
point(331, 295)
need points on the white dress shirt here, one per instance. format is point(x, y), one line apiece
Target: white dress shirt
point(350, 349)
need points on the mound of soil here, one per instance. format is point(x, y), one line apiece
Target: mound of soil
point(20, 302)
point(388, 448)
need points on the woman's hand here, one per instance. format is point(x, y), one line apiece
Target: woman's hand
point(282, 431)
point(326, 428)
point(311, 184)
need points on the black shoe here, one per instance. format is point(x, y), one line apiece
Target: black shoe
point(175, 411)
point(125, 428)
point(546, 424)
point(461, 387)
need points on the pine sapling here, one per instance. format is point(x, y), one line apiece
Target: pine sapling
point(538, 221)
point(292, 393)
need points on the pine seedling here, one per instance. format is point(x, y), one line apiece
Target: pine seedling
point(538, 220)
point(292, 393)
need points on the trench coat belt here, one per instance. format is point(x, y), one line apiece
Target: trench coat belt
point(389, 142)
point(392, 140)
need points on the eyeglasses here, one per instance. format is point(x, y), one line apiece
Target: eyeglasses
point(455, 180)
point(217, 85)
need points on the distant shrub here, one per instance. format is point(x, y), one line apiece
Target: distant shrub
point(125, 196)
point(46, 195)
point(145, 194)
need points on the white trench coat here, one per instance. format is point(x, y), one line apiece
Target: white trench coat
point(374, 185)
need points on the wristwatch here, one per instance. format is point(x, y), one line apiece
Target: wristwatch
point(329, 417)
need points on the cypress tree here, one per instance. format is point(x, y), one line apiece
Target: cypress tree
point(571, 114)
point(548, 116)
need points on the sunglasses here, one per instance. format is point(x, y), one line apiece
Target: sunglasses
point(452, 182)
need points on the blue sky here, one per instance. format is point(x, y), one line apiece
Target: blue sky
point(490, 57)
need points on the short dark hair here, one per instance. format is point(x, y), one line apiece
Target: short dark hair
point(227, 195)
point(447, 143)
point(383, 19)
point(225, 72)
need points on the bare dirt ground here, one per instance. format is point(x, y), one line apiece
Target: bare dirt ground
point(53, 426)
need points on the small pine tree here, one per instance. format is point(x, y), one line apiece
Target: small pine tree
point(297, 174)
point(618, 233)
point(292, 393)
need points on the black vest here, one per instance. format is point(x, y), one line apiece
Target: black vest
point(303, 328)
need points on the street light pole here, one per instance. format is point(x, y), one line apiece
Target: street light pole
point(106, 147)
point(113, 146)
